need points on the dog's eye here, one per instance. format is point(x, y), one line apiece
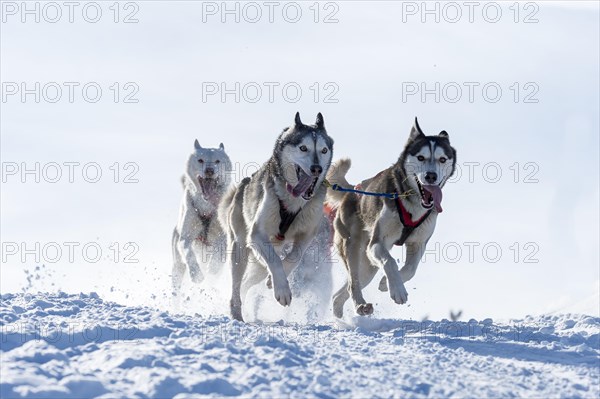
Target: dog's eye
point(324, 150)
point(421, 158)
point(201, 160)
point(217, 161)
point(442, 160)
point(303, 148)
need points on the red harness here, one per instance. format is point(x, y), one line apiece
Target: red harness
point(405, 218)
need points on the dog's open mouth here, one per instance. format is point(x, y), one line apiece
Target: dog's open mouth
point(431, 195)
point(209, 188)
point(305, 186)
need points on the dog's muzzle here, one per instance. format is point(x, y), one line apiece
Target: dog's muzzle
point(431, 195)
point(306, 183)
point(209, 187)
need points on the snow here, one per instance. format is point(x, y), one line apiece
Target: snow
point(73, 346)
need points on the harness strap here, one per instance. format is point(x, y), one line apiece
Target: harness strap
point(358, 190)
point(287, 218)
point(206, 220)
point(406, 221)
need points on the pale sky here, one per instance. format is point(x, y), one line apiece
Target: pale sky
point(541, 134)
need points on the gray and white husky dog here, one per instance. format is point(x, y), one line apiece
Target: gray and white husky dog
point(198, 233)
point(272, 217)
point(367, 227)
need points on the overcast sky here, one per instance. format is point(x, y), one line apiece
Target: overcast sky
point(516, 91)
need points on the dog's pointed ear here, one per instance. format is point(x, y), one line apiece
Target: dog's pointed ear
point(221, 147)
point(297, 120)
point(197, 145)
point(444, 133)
point(320, 122)
point(416, 131)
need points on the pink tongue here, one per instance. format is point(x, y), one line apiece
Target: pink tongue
point(303, 184)
point(208, 190)
point(436, 193)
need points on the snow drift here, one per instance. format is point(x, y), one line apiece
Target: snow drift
point(73, 346)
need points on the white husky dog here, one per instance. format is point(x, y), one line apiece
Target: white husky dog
point(198, 233)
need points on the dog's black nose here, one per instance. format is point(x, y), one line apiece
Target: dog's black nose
point(430, 177)
point(209, 172)
point(316, 170)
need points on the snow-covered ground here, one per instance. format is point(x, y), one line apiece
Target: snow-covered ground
point(64, 345)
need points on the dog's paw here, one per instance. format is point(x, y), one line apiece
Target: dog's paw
point(236, 313)
point(383, 284)
point(364, 309)
point(282, 293)
point(237, 316)
point(399, 294)
point(196, 275)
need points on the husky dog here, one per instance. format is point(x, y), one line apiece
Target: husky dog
point(367, 227)
point(207, 177)
point(273, 216)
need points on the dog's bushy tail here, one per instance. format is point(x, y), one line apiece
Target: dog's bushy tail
point(337, 175)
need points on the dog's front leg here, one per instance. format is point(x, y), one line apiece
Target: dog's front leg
point(189, 232)
point(293, 258)
point(265, 253)
point(414, 253)
point(186, 246)
point(380, 256)
point(239, 262)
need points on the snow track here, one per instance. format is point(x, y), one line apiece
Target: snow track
point(72, 346)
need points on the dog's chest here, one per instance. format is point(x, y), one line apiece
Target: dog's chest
point(285, 219)
point(304, 222)
point(203, 208)
point(391, 227)
point(206, 225)
point(422, 233)
point(291, 226)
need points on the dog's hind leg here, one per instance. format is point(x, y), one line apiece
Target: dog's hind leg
point(339, 299)
point(232, 221)
point(239, 262)
point(383, 284)
point(361, 274)
point(342, 295)
point(255, 274)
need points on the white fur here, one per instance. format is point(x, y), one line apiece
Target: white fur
point(420, 168)
point(250, 215)
point(190, 240)
point(366, 228)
